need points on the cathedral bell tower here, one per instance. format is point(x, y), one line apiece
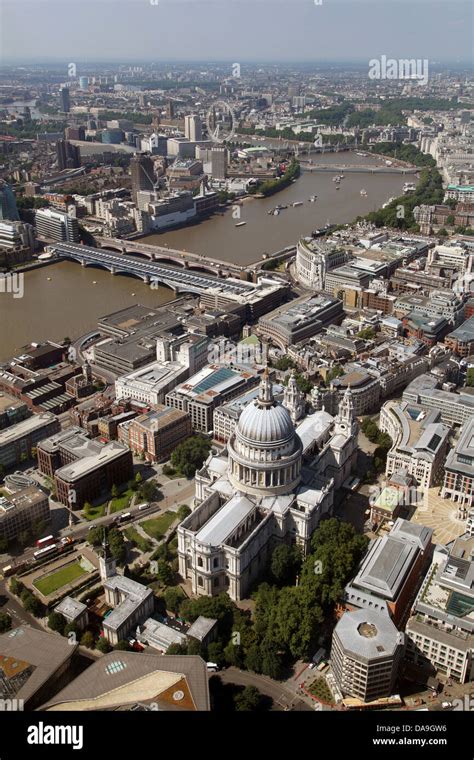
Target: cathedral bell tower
point(293, 399)
point(107, 565)
point(345, 422)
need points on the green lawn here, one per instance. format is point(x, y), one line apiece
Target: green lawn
point(321, 691)
point(157, 526)
point(97, 511)
point(143, 544)
point(56, 580)
point(122, 501)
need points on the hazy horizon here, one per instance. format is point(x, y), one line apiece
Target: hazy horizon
point(248, 31)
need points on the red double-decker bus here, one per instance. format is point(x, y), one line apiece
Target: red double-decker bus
point(42, 542)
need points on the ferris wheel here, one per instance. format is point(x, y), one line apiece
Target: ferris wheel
point(220, 122)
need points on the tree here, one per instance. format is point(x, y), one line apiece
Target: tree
point(87, 639)
point(164, 573)
point(71, 628)
point(114, 491)
point(470, 377)
point(123, 646)
point(249, 699)
point(450, 220)
point(215, 653)
point(177, 649)
point(3, 544)
point(31, 603)
point(5, 622)
point(284, 564)
point(334, 372)
point(95, 536)
point(138, 478)
point(190, 455)
point(195, 647)
point(57, 622)
point(149, 491)
point(183, 512)
point(117, 546)
point(253, 659)
point(173, 599)
point(16, 586)
point(271, 660)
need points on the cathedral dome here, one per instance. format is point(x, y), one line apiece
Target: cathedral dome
point(265, 451)
point(265, 423)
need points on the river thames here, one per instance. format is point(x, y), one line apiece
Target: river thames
point(62, 300)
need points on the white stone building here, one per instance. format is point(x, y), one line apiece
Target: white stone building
point(261, 491)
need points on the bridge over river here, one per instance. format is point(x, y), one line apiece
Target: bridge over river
point(178, 278)
point(357, 168)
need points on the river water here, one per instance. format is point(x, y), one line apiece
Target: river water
point(69, 303)
point(219, 238)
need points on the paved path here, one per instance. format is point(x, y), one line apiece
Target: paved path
point(283, 697)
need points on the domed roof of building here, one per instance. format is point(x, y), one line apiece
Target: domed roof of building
point(264, 421)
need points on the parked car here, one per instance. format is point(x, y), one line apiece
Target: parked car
point(212, 667)
point(446, 705)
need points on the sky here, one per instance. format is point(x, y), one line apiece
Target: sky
point(237, 30)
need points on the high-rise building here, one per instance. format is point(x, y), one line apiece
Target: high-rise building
point(75, 133)
point(365, 655)
point(193, 128)
point(64, 100)
point(8, 209)
point(83, 83)
point(143, 176)
point(57, 226)
point(219, 162)
point(69, 155)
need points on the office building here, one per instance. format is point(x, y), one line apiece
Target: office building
point(314, 258)
point(83, 468)
point(64, 100)
point(366, 654)
point(68, 155)
point(455, 408)
point(56, 226)
point(193, 128)
point(299, 320)
point(458, 483)
point(17, 242)
point(212, 386)
point(33, 664)
point(8, 207)
point(419, 441)
point(440, 633)
point(219, 161)
point(12, 411)
point(17, 441)
point(137, 681)
point(461, 340)
point(143, 176)
point(156, 433)
point(23, 510)
point(391, 572)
